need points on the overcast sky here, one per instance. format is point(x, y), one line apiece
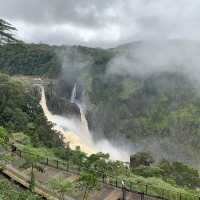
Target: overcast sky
point(103, 23)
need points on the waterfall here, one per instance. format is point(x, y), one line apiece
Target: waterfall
point(76, 132)
point(72, 130)
point(74, 92)
point(84, 124)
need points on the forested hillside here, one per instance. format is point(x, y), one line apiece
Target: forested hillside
point(159, 110)
point(29, 59)
point(20, 112)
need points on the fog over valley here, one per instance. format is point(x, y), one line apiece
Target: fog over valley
point(100, 100)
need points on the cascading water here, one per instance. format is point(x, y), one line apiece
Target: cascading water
point(84, 124)
point(70, 129)
point(77, 133)
point(74, 92)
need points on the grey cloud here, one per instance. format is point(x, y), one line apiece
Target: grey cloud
point(83, 13)
point(103, 22)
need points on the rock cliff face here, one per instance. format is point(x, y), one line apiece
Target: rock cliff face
point(60, 104)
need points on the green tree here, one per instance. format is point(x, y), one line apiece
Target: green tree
point(88, 182)
point(61, 187)
point(3, 137)
point(98, 161)
point(4, 156)
point(6, 34)
point(21, 138)
point(183, 174)
point(78, 157)
point(32, 159)
point(141, 158)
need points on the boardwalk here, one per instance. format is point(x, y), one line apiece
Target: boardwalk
point(22, 179)
point(22, 176)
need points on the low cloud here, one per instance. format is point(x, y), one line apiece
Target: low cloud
point(151, 57)
point(103, 23)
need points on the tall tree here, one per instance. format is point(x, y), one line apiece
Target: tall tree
point(31, 159)
point(4, 156)
point(6, 34)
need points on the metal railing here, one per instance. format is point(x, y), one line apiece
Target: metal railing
point(143, 191)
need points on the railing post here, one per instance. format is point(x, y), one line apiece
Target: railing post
point(123, 193)
point(103, 178)
point(163, 194)
point(146, 189)
point(130, 186)
point(116, 183)
point(142, 196)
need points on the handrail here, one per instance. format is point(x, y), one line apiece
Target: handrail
point(111, 180)
point(41, 190)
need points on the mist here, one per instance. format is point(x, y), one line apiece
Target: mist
point(73, 62)
point(145, 59)
point(136, 60)
point(149, 57)
point(76, 133)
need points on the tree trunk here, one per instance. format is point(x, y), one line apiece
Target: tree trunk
point(85, 193)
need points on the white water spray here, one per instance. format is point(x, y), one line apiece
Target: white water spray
point(69, 128)
point(74, 92)
point(84, 124)
point(77, 133)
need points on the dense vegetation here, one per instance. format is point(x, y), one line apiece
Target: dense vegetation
point(158, 111)
point(11, 192)
point(20, 112)
point(174, 178)
point(161, 112)
point(29, 59)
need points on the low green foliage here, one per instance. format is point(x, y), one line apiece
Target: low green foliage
point(61, 187)
point(182, 174)
point(157, 179)
point(148, 171)
point(3, 137)
point(88, 182)
point(10, 192)
point(21, 138)
point(141, 158)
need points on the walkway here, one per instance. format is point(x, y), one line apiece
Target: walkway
point(23, 179)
